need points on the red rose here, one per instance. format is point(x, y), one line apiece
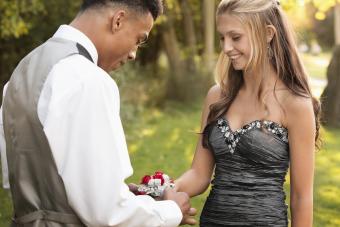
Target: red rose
point(158, 173)
point(146, 179)
point(159, 176)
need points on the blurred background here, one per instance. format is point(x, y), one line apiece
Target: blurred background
point(162, 92)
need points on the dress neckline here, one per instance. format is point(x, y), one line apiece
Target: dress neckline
point(232, 138)
point(251, 122)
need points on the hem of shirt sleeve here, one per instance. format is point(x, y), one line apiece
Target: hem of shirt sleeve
point(5, 181)
point(169, 212)
point(6, 186)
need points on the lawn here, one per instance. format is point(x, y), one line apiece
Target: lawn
point(5, 207)
point(166, 139)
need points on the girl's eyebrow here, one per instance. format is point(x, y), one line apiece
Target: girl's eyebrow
point(231, 32)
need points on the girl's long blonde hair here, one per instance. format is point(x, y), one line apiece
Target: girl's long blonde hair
point(281, 53)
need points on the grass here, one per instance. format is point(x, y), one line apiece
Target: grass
point(327, 184)
point(5, 207)
point(166, 139)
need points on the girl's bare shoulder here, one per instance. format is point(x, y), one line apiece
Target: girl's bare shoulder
point(297, 108)
point(214, 94)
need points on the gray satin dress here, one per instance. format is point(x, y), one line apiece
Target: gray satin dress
point(251, 165)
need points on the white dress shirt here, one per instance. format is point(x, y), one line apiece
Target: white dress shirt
point(79, 110)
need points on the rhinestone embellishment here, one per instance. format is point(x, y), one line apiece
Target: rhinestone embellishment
point(232, 138)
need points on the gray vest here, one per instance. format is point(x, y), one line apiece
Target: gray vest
point(38, 192)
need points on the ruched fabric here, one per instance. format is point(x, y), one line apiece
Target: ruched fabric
point(247, 189)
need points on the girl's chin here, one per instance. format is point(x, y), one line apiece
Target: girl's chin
point(238, 66)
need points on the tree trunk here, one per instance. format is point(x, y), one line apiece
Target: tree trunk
point(209, 34)
point(331, 95)
point(171, 47)
point(190, 36)
point(337, 23)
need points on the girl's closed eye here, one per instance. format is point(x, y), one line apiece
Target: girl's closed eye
point(236, 38)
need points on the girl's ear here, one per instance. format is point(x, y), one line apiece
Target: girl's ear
point(271, 31)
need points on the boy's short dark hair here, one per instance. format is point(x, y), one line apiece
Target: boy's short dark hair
point(155, 7)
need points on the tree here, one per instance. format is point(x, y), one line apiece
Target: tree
point(183, 47)
point(178, 35)
point(323, 6)
point(26, 24)
point(172, 50)
point(337, 23)
point(14, 17)
point(331, 95)
point(209, 34)
point(190, 36)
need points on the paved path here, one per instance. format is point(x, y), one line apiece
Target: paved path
point(318, 85)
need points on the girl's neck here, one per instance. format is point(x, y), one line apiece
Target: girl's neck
point(252, 81)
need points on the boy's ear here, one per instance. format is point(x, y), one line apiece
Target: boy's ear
point(271, 31)
point(117, 20)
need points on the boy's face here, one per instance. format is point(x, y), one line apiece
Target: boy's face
point(123, 43)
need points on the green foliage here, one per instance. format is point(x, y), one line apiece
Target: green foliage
point(19, 18)
point(323, 30)
point(140, 87)
point(313, 19)
point(25, 24)
point(322, 7)
point(15, 16)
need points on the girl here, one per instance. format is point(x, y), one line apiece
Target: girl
point(259, 119)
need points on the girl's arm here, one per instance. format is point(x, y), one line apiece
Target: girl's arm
point(301, 129)
point(197, 179)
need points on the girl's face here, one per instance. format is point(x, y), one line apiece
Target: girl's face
point(234, 40)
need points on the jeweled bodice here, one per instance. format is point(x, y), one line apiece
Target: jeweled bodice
point(251, 165)
point(233, 137)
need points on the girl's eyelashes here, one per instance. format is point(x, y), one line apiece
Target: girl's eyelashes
point(236, 38)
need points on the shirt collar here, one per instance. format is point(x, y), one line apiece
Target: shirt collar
point(70, 33)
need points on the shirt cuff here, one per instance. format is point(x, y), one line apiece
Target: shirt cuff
point(5, 181)
point(169, 212)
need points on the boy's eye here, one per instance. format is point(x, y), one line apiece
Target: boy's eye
point(236, 38)
point(222, 38)
point(141, 45)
